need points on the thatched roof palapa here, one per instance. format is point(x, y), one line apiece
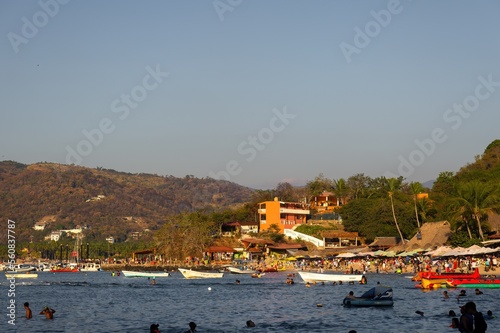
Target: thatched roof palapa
point(432, 235)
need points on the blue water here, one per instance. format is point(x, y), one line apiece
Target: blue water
point(98, 302)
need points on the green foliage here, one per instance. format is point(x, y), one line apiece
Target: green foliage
point(318, 185)
point(461, 238)
point(313, 230)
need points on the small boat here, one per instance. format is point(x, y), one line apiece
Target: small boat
point(21, 275)
point(236, 270)
point(376, 296)
point(190, 274)
point(145, 274)
point(20, 269)
point(323, 277)
point(71, 268)
point(90, 267)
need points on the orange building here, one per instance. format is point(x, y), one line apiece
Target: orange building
point(285, 215)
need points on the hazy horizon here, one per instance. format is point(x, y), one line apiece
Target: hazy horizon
point(255, 92)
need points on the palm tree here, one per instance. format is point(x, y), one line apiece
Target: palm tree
point(393, 186)
point(476, 199)
point(415, 189)
point(340, 186)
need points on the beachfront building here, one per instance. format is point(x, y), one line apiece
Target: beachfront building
point(284, 215)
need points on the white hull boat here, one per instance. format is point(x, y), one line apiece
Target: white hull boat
point(21, 275)
point(90, 267)
point(190, 274)
point(322, 277)
point(145, 274)
point(236, 270)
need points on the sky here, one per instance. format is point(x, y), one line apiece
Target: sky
point(255, 92)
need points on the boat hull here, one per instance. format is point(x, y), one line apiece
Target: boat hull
point(21, 275)
point(478, 285)
point(190, 274)
point(145, 274)
point(236, 270)
point(360, 302)
point(322, 277)
point(447, 276)
point(65, 270)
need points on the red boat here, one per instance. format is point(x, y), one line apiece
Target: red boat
point(448, 276)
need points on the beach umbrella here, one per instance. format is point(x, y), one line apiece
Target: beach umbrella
point(346, 255)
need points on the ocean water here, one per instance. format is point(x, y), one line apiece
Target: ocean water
point(99, 302)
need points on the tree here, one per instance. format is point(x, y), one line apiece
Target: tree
point(415, 189)
point(318, 185)
point(358, 185)
point(476, 200)
point(341, 189)
point(393, 185)
point(285, 192)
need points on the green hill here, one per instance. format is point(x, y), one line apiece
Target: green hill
point(108, 202)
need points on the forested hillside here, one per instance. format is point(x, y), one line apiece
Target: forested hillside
point(68, 195)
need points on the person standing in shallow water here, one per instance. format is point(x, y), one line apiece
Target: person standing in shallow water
point(29, 314)
point(192, 328)
point(48, 312)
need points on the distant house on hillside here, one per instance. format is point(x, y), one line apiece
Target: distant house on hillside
point(55, 236)
point(230, 229)
point(40, 225)
point(326, 202)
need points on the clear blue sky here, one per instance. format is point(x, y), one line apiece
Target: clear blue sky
point(258, 91)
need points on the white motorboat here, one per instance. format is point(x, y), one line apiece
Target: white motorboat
point(20, 268)
point(145, 274)
point(190, 274)
point(324, 277)
point(236, 270)
point(90, 267)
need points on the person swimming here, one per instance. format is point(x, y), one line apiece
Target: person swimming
point(48, 312)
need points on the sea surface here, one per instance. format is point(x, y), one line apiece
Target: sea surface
point(99, 302)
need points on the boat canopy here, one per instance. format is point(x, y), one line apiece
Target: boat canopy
point(379, 292)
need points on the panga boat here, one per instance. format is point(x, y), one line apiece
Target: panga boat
point(377, 296)
point(236, 270)
point(322, 277)
point(21, 275)
point(190, 274)
point(145, 274)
